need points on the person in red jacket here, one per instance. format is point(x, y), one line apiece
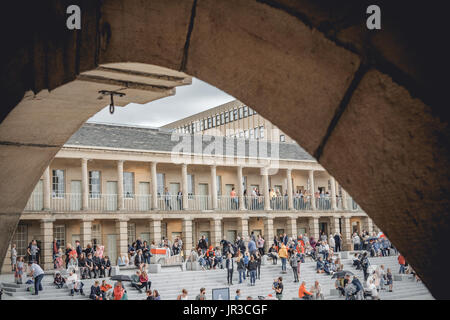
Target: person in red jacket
point(401, 261)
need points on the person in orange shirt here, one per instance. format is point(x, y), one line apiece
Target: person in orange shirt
point(402, 262)
point(303, 293)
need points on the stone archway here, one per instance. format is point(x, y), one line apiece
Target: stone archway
point(365, 105)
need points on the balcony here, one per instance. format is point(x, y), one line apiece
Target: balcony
point(73, 202)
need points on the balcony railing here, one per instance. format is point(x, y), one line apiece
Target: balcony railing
point(70, 202)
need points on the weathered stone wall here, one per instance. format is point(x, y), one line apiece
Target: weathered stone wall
point(369, 105)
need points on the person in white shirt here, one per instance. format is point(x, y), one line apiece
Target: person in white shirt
point(74, 284)
point(373, 290)
point(37, 273)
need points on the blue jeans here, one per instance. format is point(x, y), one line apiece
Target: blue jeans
point(402, 268)
point(283, 264)
point(241, 275)
point(37, 283)
point(252, 276)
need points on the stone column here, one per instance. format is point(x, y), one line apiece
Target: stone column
point(265, 184)
point(312, 189)
point(289, 189)
point(243, 228)
point(240, 189)
point(86, 232)
point(292, 227)
point(268, 232)
point(367, 224)
point(184, 186)
point(346, 234)
point(333, 193)
point(84, 184)
point(334, 225)
point(154, 179)
point(155, 230)
point(216, 231)
point(187, 235)
point(120, 203)
point(344, 199)
point(314, 228)
point(47, 189)
point(214, 187)
point(122, 239)
point(46, 257)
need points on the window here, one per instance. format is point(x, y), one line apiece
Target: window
point(261, 132)
point(245, 112)
point(128, 184)
point(222, 118)
point(241, 113)
point(235, 114)
point(160, 182)
point(252, 134)
point(197, 123)
point(131, 232)
point(231, 115)
point(226, 116)
point(213, 121)
point(192, 127)
point(94, 184)
point(205, 122)
point(282, 138)
point(201, 125)
point(59, 233)
point(58, 184)
point(190, 183)
point(20, 239)
point(218, 120)
point(209, 122)
point(257, 133)
point(246, 134)
point(250, 111)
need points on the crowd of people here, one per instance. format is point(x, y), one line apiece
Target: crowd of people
point(243, 255)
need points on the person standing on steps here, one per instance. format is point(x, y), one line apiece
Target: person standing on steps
point(282, 253)
point(229, 264)
point(252, 266)
point(294, 263)
point(278, 287)
point(37, 273)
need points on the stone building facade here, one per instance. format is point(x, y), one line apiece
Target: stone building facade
point(107, 186)
point(232, 119)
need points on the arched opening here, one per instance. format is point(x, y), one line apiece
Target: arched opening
point(386, 147)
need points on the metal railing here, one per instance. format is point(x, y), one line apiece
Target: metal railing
point(104, 202)
point(199, 202)
point(35, 202)
point(70, 202)
point(66, 202)
point(137, 202)
point(254, 203)
point(302, 203)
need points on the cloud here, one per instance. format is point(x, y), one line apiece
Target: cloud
point(188, 100)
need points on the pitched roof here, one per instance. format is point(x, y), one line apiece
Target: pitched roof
point(157, 139)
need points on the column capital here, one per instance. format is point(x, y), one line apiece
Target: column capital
point(155, 219)
point(245, 217)
point(213, 166)
point(269, 217)
point(217, 218)
point(289, 170)
point(184, 165)
point(188, 219)
point(84, 160)
point(87, 219)
point(120, 162)
point(47, 220)
point(122, 220)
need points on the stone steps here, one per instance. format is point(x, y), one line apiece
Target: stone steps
point(170, 286)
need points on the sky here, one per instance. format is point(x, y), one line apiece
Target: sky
point(188, 100)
